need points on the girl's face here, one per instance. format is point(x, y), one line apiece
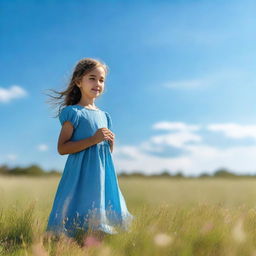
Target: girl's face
point(92, 84)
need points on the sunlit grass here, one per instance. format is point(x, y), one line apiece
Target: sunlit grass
point(173, 217)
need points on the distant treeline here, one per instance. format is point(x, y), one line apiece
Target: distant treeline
point(32, 170)
point(35, 170)
point(220, 173)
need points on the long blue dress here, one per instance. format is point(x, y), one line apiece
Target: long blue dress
point(88, 195)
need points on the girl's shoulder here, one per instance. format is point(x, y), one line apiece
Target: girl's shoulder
point(72, 108)
point(69, 110)
point(69, 113)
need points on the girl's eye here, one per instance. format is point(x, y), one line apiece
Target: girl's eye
point(102, 81)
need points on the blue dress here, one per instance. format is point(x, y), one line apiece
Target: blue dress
point(88, 195)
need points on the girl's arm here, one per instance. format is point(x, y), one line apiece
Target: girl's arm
point(69, 147)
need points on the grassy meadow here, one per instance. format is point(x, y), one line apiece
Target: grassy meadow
point(179, 217)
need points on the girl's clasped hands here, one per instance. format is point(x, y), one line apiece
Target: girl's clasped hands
point(104, 134)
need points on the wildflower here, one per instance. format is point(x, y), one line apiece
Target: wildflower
point(208, 226)
point(162, 239)
point(238, 231)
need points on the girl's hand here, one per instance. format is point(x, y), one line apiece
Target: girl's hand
point(103, 134)
point(111, 137)
point(111, 141)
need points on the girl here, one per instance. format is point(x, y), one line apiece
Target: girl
point(88, 197)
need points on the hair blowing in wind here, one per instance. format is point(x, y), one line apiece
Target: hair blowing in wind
point(72, 94)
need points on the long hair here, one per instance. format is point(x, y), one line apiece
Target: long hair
point(72, 94)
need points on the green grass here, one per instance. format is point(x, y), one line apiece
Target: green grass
point(179, 217)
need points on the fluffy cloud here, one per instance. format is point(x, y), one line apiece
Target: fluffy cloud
point(234, 130)
point(178, 139)
point(169, 126)
point(13, 92)
point(197, 156)
point(217, 78)
point(200, 158)
point(11, 157)
point(183, 133)
point(42, 147)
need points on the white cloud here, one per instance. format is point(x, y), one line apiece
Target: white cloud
point(11, 157)
point(197, 157)
point(201, 158)
point(146, 162)
point(221, 77)
point(148, 146)
point(137, 157)
point(177, 139)
point(175, 126)
point(12, 93)
point(8, 159)
point(185, 133)
point(236, 158)
point(233, 130)
point(42, 147)
point(200, 82)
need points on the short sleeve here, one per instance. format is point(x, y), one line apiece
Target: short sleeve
point(110, 126)
point(69, 114)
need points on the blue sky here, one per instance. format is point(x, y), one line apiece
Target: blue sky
point(181, 88)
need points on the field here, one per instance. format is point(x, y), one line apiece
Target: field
point(179, 217)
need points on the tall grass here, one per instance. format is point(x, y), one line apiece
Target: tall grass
point(173, 217)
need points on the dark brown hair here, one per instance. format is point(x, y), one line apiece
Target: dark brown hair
point(72, 94)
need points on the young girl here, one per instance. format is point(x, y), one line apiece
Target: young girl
point(88, 197)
